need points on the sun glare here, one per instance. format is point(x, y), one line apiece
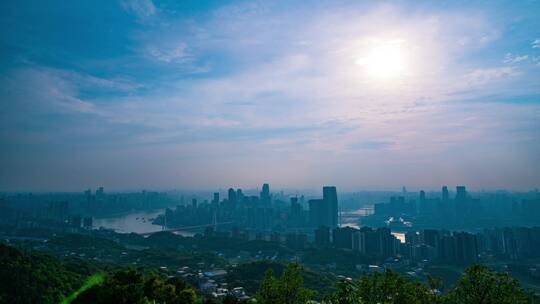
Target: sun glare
point(384, 60)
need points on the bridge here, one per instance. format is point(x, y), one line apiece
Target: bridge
point(187, 228)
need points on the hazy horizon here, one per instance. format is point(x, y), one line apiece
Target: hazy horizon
point(141, 94)
point(289, 190)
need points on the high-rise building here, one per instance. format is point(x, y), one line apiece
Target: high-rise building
point(343, 237)
point(466, 248)
point(231, 196)
point(461, 202)
point(445, 195)
point(387, 243)
point(265, 194)
point(87, 222)
point(461, 193)
point(58, 210)
point(422, 203)
point(322, 237)
point(239, 195)
point(447, 249)
point(316, 212)
point(331, 205)
point(100, 193)
point(296, 214)
point(75, 221)
point(324, 212)
point(430, 237)
point(369, 242)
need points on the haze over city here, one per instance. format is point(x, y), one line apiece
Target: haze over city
point(269, 152)
point(206, 95)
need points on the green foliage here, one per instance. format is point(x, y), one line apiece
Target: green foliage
point(91, 281)
point(388, 288)
point(346, 293)
point(288, 289)
point(480, 285)
point(34, 278)
point(249, 276)
point(134, 288)
point(40, 278)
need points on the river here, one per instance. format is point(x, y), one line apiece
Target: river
point(137, 222)
point(141, 222)
point(350, 218)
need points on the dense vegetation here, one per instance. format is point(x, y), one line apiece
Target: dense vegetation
point(35, 277)
point(249, 276)
point(39, 278)
point(131, 287)
point(478, 285)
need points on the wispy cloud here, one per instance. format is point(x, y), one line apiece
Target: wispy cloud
point(483, 76)
point(536, 44)
point(509, 58)
point(177, 54)
point(273, 87)
point(143, 9)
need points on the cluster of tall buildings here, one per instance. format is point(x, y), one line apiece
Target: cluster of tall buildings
point(262, 212)
point(324, 212)
point(102, 203)
point(441, 245)
point(461, 211)
point(433, 245)
point(511, 242)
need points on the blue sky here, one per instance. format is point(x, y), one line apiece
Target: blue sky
point(201, 95)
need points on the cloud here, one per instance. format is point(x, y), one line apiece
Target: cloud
point(52, 91)
point(280, 94)
point(177, 54)
point(489, 75)
point(536, 44)
point(143, 9)
point(509, 58)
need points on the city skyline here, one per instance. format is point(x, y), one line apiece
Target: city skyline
point(142, 94)
point(270, 151)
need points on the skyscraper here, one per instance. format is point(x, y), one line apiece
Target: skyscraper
point(265, 194)
point(297, 213)
point(331, 206)
point(231, 196)
point(461, 203)
point(422, 195)
point(461, 193)
point(322, 237)
point(239, 195)
point(316, 212)
point(324, 212)
point(445, 195)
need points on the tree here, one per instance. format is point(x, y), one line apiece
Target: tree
point(480, 285)
point(346, 293)
point(132, 287)
point(288, 289)
point(388, 288)
point(268, 292)
point(34, 277)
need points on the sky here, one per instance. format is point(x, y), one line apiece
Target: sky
point(376, 95)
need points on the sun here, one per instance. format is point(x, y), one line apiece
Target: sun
point(384, 60)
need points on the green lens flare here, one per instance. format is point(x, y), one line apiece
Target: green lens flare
point(91, 281)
